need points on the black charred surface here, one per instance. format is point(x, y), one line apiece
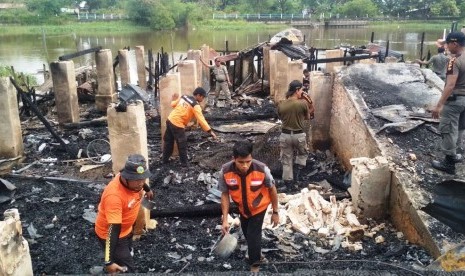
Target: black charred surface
point(377, 92)
point(68, 244)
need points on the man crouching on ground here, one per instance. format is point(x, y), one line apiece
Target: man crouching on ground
point(251, 186)
point(117, 212)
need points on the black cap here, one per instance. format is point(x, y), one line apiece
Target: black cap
point(293, 87)
point(135, 168)
point(458, 37)
point(200, 91)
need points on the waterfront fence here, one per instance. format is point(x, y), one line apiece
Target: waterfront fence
point(322, 17)
point(100, 17)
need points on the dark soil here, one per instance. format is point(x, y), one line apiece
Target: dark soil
point(179, 244)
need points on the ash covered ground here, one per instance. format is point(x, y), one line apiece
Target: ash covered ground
point(64, 242)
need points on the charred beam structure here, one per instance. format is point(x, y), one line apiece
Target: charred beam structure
point(71, 151)
point(80, 53)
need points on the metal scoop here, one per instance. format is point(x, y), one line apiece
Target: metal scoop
point(148, 204)
point(225, 247)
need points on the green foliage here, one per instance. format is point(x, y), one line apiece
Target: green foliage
point(24, 80)
point(442, 7)
point(46, 7)
point(5, 71)
point(358, 8)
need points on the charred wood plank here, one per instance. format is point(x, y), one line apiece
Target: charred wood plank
point(340, 59)
point(192, 211)
point(241, 117)
point(49, 178)
point(80, 53)
point(94, 123)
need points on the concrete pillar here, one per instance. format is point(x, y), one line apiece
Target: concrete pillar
point(278, 75)
point(370, 186)
point(321, 92)
point(195, 55)
point(205, 49)
point(295, 70)
point(331, 66)
point(266, 62)
point(390, 60)
point(141, 72)
point(15, 257)
point(64, 85)
point(248, 68)
point(188, 76)
point(11, 139)
point(367, 61)
point(124, 67)
point(128, 135)
point(106, 80)
point(169, 85)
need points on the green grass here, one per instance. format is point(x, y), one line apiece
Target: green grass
point(128, 27)
point(420, 25)
point(78, 28)
point(122, 26)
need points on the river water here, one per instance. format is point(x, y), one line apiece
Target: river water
point(28, 53)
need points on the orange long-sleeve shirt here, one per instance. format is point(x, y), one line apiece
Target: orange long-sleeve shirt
point(186, 108)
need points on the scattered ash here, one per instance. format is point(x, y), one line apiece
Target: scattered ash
point(67, 243)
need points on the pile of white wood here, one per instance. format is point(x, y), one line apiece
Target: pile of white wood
point(309, 213)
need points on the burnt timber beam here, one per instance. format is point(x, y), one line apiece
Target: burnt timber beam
point(80, 53)
point(339, 59)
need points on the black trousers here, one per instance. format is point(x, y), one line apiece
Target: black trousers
point(252, 229)
point(123, 252)
point(178, 135)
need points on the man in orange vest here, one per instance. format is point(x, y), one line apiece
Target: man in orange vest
point(185, 109)
point(117, 213)
point(250, 185)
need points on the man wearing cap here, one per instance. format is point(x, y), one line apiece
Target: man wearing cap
point(451, 103)
point(185, 109)
point(250, 185)
point(117, 213)
point(292, 112)
point(222, 81)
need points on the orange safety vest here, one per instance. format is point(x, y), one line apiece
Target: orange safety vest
point(247, 191)
point(186, 108)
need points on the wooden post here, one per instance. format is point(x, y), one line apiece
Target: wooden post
point(421, 45)
point(387, 50)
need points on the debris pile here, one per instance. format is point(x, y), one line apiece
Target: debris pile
point(334, 221)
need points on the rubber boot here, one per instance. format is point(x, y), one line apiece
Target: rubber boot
point(297, 172)
point(447, 165)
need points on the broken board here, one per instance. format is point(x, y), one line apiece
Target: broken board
point(260, 127)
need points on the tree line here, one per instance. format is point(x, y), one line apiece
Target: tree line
point(169, 14)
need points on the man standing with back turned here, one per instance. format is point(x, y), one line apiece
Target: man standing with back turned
point(452, 102)
point(292, 112)
point(251, 187)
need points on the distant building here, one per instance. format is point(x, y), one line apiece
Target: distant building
point(5, 6)
point(83, 6)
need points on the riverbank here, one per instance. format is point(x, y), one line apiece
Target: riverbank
point(122, 27)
